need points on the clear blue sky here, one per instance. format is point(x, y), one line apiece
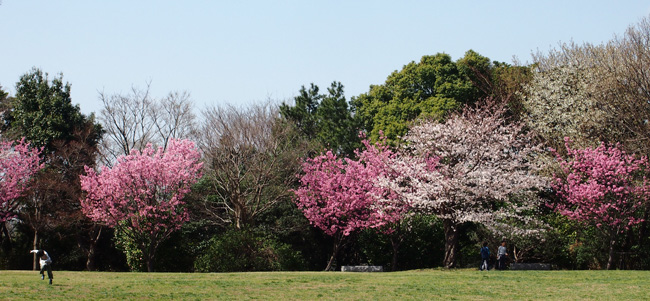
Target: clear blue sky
point(240, 52)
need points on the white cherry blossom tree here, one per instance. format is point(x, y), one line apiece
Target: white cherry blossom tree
point(474, 168)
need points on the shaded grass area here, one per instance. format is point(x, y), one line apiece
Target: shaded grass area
point(421, 284)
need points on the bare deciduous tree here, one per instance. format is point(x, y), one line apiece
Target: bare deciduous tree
point(136, 119)
point(251, 162)
point(172, 117)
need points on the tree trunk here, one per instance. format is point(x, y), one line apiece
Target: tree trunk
point(612, 244)
point(451, 243)
point(396, 243)
point(90, 259)
point(241, 215)
point(35, 265)
point(150, 263)
point(335, 251)
point(238, 222)
point(515, 254)
point(92, 250)
point(6, 238)
point(149, 253)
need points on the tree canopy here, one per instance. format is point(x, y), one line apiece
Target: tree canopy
point(142, 194)
point(18, 163)
point(602, 186)
point(427, 89)
point(42, 111)
point(324, 118)
point(466, 170)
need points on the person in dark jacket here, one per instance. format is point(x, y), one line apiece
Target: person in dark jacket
point(485, 257)
point(46, 263)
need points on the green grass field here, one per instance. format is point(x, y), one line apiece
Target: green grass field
point(422, 284)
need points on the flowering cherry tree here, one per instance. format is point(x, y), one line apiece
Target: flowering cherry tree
point(340, 195)
point(469, 169)
point(603, 186)
point(142, 194)
point(18, 163)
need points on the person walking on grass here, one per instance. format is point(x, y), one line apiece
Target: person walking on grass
point(502, 255)
point(485, 257)
point(46, 263)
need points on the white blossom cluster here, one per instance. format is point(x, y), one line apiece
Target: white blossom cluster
point(469, 168)
point(594, 93)
point(561, 102)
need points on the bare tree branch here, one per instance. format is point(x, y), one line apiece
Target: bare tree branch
point(136, 119)
point(252, 160)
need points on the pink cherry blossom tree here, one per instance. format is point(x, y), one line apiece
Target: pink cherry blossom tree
point(469, 170)
point(602, 186)
point(340, 195)
point(142, 194)
point(392, 211)
point(18, 163)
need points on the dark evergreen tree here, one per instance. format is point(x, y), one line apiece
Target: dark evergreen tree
point(326, 119)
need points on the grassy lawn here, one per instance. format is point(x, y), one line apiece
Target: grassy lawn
point(422, 284)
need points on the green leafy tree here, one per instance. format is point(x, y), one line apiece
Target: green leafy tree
point(42, 111)
point(500, 81)
point(3, 96)
point(430, 88)
point(324, 118)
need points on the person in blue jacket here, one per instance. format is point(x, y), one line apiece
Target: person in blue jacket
point(485, 257)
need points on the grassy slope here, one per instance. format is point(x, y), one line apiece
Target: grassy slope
point(426, 284)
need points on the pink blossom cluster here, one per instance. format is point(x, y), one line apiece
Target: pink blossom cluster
point(145, 189)
point(602, 185)
point(18, 163)
point(341, 195)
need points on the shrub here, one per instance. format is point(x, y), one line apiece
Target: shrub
point(247, 251)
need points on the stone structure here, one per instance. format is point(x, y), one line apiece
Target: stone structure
point(362, 268)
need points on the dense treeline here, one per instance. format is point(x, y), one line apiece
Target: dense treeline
point(415, 173)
